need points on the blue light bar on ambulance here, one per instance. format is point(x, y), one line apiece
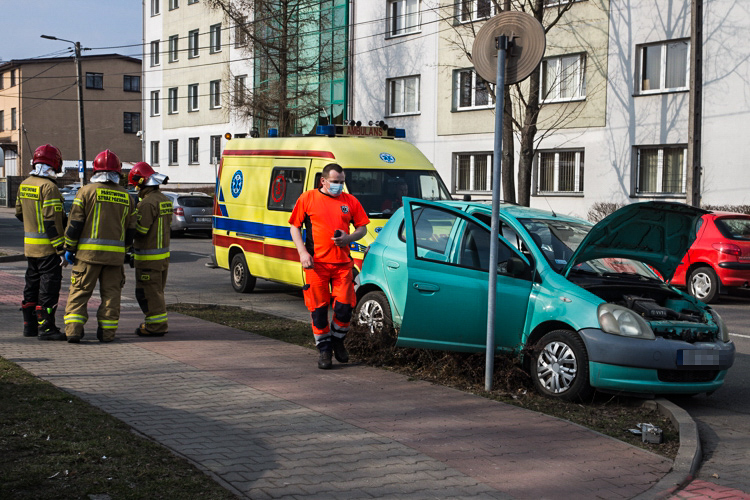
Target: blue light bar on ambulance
point(273, 132)
point(361, 131)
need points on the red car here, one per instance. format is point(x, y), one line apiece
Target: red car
point(719, 258)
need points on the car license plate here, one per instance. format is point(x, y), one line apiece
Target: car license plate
point(202, 219)
point(697, 357)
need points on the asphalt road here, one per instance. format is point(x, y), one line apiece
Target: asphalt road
point(722, 417)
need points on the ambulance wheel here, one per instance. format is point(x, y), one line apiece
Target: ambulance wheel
point(242, 280)
point(373, 316)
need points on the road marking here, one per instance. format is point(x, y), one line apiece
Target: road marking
point(740, 335)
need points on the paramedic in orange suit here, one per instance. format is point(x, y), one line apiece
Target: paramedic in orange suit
point(326, 214)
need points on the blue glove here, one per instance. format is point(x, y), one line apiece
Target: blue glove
point(70, 257)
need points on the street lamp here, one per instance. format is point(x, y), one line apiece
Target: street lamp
point(81, 128)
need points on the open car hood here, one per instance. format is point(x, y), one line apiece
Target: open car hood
point(657, 233)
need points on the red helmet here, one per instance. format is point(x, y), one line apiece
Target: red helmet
point(49, 155)
point(107, 161)
point(140, 174)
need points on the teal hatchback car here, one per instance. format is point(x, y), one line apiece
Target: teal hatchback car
point(586, 307)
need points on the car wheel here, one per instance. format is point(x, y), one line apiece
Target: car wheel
point(373, 316)
point(560, 366)
point(703, 284)
point(242, 280)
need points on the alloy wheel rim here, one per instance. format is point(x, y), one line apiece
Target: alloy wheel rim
point(371, 315)
point(557, 367)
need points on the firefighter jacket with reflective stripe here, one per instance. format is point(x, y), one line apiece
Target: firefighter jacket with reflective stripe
point(40, 205)
point(101, 224)
point(153, 218)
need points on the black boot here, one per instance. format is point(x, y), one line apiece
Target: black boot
point(30, 327)
point(47, 328)
point(339, 351)
point(324, 360)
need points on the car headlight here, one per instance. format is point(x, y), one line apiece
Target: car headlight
point(619, 320)
point(723, 331)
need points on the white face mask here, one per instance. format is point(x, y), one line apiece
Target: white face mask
point(335, 189)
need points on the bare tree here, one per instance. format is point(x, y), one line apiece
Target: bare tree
point(291, 44)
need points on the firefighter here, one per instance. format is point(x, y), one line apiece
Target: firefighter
point(326, 213)
point(151, 248)
point(100, 229)
point(39, 206)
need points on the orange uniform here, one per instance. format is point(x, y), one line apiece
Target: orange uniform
point(331, 278)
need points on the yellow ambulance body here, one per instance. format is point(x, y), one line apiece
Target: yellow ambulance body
point(260, 180)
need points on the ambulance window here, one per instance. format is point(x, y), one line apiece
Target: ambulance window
point(287, 184)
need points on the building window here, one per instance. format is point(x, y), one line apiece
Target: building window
point(131, 83)
point(172, 101)
point(240, 33)
point(403, 95)
point(215, 148)
point(661, 170)
point(563, 78)
point(173, 47)
point(193, 43)
point(472, 172)
point(12, 78)
point(193, 97)
point(560, 172)
point(13, 118)
point(155, 102)
point(2, 120)
point(473, 10)
point(215, 94)
point(173, 151)
point(154, 153)
point(191, 2)
point(193, 151)
point(155, 53)
point(664, 66)
point(215, 38)
point(403, 17)
point(94, 81)
point(155, 7)
point(2, 81)
point(240, 83)
point(131, 122)
point(174, 4)
point(470, 91)
point(551, 3)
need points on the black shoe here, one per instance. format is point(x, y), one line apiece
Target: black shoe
point(324, 361)
point(52, 335)
point(74, 340)
point(339, 351)
point(100, 336)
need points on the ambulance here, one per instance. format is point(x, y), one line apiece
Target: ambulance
point(260, 179)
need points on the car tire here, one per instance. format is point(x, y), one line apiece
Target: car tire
point(242, 280)
point(703, 284)
point(560, 366)
point(373, 317)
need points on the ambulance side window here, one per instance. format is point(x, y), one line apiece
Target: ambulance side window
point(287, 184)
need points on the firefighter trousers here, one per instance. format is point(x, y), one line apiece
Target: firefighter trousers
point(149, 291)
point(83, 280)
point(329, 284)
point(43, 280)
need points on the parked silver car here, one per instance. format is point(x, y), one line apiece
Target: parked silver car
point(191, 212)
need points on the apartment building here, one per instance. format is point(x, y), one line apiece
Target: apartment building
point(614, 86)
point(39, 104)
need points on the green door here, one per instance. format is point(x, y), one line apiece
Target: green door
point(446, 297)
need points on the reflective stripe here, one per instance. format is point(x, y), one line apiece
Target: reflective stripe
point(141, 229)
point(108, 324)
point(52, 203)
point(36, 241)
point(152, 257)
point(78, 201)
point(151, 251)
point(101, 241)
point(34, 235)
point(75, 318)
point(103, 248)
point(71, 242)
point(57, 241)
point(159, 318)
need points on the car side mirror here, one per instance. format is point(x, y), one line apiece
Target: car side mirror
point(516, 267)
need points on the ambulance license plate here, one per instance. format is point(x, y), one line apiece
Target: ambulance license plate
point(202, 219)
point(697, 357)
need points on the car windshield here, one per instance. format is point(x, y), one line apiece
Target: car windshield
point(380, 191)
point(195, 201)
point(558, 240)
point(736, 228)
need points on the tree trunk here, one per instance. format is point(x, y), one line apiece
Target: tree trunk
point(508, 171)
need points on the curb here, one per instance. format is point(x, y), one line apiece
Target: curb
point(12, 258)
point(689, 455)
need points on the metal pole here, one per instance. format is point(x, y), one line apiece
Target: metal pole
point(81, 128)
point(497, 158)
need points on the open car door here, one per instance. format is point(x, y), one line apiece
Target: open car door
point(447, 265)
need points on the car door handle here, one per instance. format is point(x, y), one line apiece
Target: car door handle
point(426, 287)
point(392, 264)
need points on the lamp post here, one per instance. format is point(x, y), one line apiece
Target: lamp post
point(81, 128)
